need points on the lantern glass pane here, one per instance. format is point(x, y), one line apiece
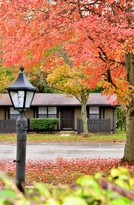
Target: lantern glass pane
point(21, 99)
point(29, 98)
point(17, 98)
point(14, 96)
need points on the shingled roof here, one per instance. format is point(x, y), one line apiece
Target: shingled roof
point(54, 99)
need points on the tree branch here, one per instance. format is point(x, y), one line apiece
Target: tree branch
point(108, 185)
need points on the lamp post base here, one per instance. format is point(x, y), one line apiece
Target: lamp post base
point(21, 128)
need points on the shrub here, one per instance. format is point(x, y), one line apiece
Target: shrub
point(114, 189)
point(42, 124)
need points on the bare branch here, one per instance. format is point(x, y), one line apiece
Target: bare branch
point(108, 185)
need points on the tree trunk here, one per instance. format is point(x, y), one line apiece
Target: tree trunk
point(129, 146)
point(84, 117)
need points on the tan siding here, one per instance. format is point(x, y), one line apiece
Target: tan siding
point(29, 114)
point(77, 114)
point(109, 115)
point(2, 114)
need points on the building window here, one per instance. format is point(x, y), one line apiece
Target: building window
point(14, 114)
point(52, 112)
point(47, 112)
point(42, 112)
point(94, 112)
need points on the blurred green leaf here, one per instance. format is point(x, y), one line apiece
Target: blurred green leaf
point(87, 191)
point(121, 201)
point(7, 194)
point(42, 189)
point(119, 172)
point(87, 180)
point(122, 183)
point(52, 202)
point(131, 183)
point(72, 200)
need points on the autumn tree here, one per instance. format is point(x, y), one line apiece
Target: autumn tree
point(105, 34)
point(102, 32)
point(97, 35)
point(6, 77)
point(38, 78)
point(70, 81)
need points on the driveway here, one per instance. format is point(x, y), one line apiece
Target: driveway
point(44, 151)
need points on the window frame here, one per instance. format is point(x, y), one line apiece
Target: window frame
point(94, 113)
point(48, 112)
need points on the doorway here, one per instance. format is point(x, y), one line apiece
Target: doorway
point(67, 119)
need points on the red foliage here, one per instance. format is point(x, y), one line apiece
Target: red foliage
point(94, 34)
point(64, 171)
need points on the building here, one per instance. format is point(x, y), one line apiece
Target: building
point(100, 111)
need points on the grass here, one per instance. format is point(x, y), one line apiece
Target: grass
point(119, 136)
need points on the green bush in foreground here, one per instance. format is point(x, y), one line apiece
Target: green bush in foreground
point(115, 189)
point(42, 124)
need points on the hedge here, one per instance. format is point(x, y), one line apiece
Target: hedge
point(114, 189)
point(43, 124)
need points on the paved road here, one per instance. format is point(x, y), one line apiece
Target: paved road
point(43, 151)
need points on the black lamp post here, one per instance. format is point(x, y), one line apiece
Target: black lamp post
point(21, 93)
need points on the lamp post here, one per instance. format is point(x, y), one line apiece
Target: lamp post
point(21, 93)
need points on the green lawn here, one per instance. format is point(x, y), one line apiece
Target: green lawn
point(66, 137)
